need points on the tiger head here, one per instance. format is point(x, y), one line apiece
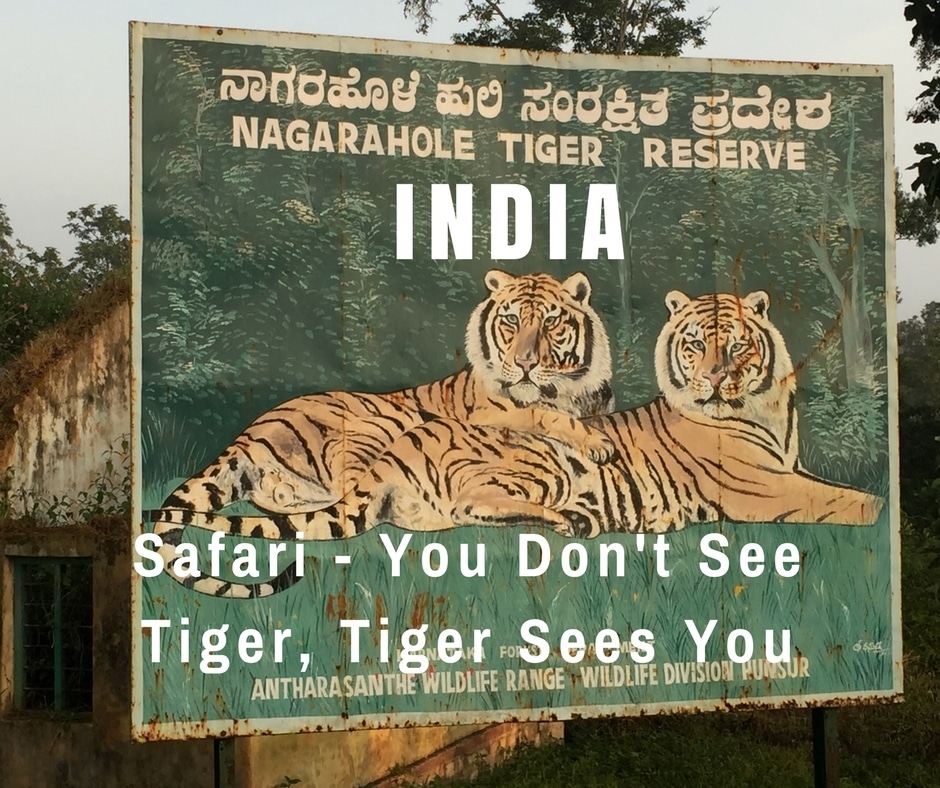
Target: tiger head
point(720, 356)
point(538, 341)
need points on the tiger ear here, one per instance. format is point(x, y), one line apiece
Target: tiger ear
point(578, 286)
point(675, 300)
point(759, 301)
point(497, 280)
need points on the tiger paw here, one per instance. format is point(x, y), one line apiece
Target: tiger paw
point(566, 530)
point(598, 447)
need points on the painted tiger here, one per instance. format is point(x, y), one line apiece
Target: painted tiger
point(538, 360)
point(721, 357)
point(718, 444)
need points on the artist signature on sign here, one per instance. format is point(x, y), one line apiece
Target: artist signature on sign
point(869, 647)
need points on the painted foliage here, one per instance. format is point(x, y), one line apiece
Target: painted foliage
point(584, 363)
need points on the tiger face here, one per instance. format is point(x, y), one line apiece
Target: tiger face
point(537, 340)
point(720, 356)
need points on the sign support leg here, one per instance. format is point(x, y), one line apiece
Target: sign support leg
point(825, 748)
point(224, 763)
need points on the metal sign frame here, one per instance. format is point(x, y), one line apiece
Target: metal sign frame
point(196, 180)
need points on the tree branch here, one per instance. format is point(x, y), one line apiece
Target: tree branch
point(494, 6)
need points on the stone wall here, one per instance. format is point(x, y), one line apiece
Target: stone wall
point(66, 422)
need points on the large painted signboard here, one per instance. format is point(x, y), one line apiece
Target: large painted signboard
point(476, 385)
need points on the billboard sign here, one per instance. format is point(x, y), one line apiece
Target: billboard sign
point(475, 385)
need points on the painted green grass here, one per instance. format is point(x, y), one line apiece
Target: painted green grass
point(832, 605)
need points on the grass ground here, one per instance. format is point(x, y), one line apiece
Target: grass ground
point(893, 745)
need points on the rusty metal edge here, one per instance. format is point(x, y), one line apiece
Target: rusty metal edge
point(357, 45)
point(168, 731)
point(136, 34)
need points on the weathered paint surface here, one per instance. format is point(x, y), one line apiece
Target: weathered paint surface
point(767, 183)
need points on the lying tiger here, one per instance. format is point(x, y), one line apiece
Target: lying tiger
point(719, 443)
point(539, 360)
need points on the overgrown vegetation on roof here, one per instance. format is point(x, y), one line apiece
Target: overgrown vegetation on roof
point(25, 372)
point(40, 289)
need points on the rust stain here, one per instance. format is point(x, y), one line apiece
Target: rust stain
point(154, 729)
point(737, 271)
point(439, 613)
point(420, 610)
point(337, 606)
point(381, 611)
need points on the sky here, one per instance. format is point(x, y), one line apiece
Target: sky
point(64, 135)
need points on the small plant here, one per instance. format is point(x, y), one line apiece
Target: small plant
point(109, 494)
point(6, 490)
